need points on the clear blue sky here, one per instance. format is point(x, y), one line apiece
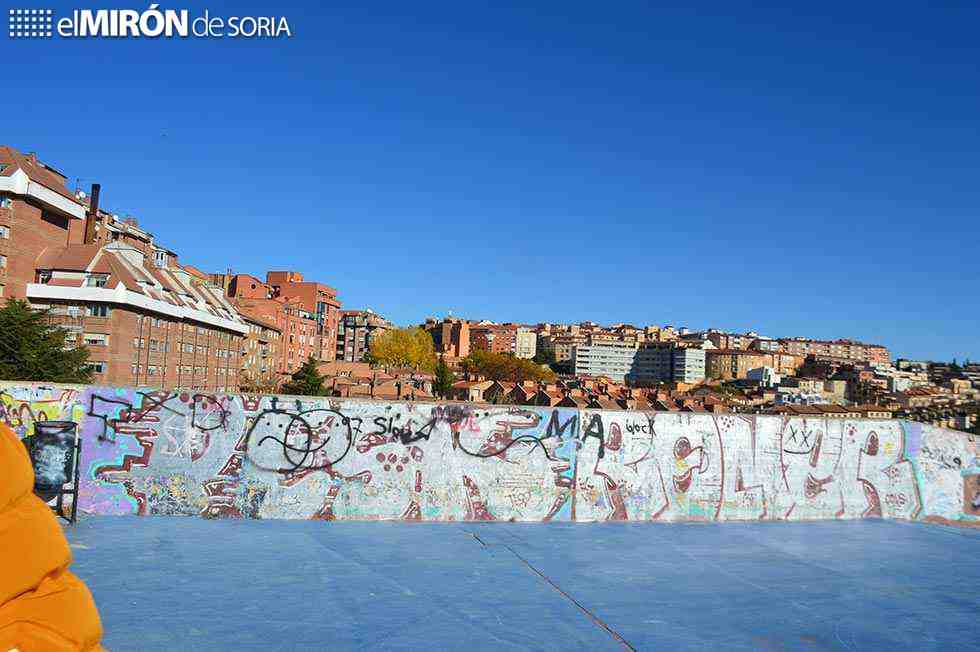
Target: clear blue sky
point(810, 172)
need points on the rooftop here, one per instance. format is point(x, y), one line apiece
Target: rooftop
point(167, 583)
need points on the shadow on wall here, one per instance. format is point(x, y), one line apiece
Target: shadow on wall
point(155, 452)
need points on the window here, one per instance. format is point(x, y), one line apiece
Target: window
point(151, 370)
point(4, 232)
point(160, 258)
point(188, 348)
point(97, 310)
point(96, 339)
point(97, 280)
point(97, 367)
point(3, 262)
point(135, 369)
point(5, 201)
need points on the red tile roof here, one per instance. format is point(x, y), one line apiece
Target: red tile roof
point(38, 173)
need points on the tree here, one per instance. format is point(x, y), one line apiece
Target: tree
point(31, 348)
point(404, 347)
point(251, 385)
point(504, 367)
point(544, 357)
point(443, 383)
point(305, 381)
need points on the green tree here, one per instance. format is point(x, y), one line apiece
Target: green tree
point(305, 381)
point(404, 347)
point(544, 357)
point(31, 348)
point(443, 383)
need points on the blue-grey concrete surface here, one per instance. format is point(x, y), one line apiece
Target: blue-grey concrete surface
point(193, 584)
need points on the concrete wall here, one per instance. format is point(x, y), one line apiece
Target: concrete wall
point(153, 452)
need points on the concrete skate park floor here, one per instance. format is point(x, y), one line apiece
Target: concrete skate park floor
point(172, 583)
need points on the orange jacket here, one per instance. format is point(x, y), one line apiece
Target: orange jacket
point(43, 606)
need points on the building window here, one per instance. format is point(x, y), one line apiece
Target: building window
point(96, 367)
point(160, 258)
point(151, 371)
point(4, 232)
point(3, 262)
point(97, 310)
point(5, 201)
point(96, 339)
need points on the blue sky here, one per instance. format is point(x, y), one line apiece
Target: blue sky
point(804, 172)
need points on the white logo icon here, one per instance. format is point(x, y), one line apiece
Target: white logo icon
point(30, 23)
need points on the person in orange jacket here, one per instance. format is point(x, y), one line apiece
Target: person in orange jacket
point(43, 605)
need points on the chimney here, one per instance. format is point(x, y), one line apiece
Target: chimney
point(93, 214)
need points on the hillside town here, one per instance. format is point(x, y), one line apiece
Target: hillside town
point(150, 320)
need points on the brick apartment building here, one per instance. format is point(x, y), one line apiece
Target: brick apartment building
point(316, 298)
point(845, 349)
point(450, 336)
point(260, 353)
point(355, 330)
point(499, 338)
point(514, 339)
point(306, 314)
point(561, 346)
point(36, 211)
point(733, 364)
point(145, 319)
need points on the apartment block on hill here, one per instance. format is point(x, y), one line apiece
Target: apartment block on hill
point(316, 298)
point(640, 364)
point(260, 352)
point(355, 330)
point(450, 336)
point(844, 349)
point(145, 319)
point(300, 330)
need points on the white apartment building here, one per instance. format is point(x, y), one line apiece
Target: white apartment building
point(644, 364)
point(526, 344)
point(687, 365)
point(615, 360)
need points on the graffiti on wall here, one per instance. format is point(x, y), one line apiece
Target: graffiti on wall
point(185, 453)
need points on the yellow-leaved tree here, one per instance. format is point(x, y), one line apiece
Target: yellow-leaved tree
point(404, 347)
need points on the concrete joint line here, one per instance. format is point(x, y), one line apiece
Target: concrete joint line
point(594, 618)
